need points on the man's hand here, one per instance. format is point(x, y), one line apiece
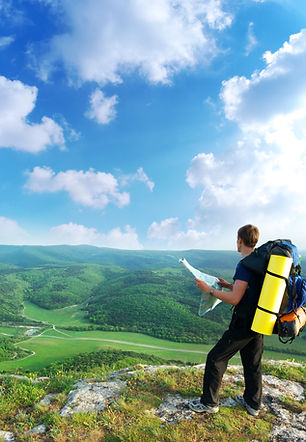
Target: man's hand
point(225, 284)
point(202, 285)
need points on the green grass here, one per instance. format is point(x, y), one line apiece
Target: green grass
point(11, 331)
point(63, 317)
point(73, 316)
point(127, 418)
point(56, 345)
point(59, 346)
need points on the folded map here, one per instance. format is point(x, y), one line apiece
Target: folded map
point(207, 302)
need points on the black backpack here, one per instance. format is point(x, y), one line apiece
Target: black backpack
point(288, 325)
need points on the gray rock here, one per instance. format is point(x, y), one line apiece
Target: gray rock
point(40, 429)
point(277, 387)
point(173, 409)
point(47, 399)
point(92, 397)
point(289, 427)
point(7, 436)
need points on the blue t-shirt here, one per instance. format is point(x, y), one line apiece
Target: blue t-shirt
point(254, 284)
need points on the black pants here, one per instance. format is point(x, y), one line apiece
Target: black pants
point(239, 337)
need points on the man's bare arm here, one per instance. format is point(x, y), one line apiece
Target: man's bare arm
point(233, 297)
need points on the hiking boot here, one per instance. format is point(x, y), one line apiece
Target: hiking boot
point(250, 410)
point(198, 407)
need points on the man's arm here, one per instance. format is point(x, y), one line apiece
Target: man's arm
point(233, 297)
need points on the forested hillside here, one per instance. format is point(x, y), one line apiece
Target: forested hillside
point(57, 287)
point(140, 291)
point(163, 304)
point(33, 256)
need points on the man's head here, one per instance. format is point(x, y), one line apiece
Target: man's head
point(249, 235)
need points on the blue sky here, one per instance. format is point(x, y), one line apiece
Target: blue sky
point(159, 125)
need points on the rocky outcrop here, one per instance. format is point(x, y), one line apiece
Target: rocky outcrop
point(288, 426)
point(94, 395)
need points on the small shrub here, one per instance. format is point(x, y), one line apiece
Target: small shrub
point(21, 393)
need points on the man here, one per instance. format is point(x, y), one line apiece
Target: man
point(243, 294)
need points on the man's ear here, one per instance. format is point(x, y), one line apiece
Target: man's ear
point(239, 241)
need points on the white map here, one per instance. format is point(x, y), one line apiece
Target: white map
point(207, 302)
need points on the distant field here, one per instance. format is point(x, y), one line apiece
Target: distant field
point(56, 345)
point(298, 345)
point(11, 331)
point(64, 317)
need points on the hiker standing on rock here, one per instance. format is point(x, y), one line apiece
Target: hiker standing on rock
point(243, 294)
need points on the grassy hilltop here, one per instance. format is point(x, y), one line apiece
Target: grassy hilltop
point(137, 414)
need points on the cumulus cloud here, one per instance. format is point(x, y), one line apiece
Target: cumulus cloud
point(102, 109)
point(11, 232)
point(278, 89)
point(17, 101)
point(90, 188)
point(74, 234)
point(262, 179)
point(108, 39)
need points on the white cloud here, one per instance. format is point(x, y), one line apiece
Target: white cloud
point(5, 8)
point(252, 41)
point(90, 188)
point(168, 233)
point(17, 101)
point(6, 41)
point(102, 108)
point(141, 176)
point(262, 179)
point(108, 39)
point(74, 234)
point(277, 89)
point(11, 232)
point(170, 236)
point(190, 239)
point(163, 230)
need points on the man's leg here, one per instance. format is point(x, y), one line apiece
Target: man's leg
point(251, 360)
point(216, 364)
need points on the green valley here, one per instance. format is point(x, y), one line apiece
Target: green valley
point(58, 302)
